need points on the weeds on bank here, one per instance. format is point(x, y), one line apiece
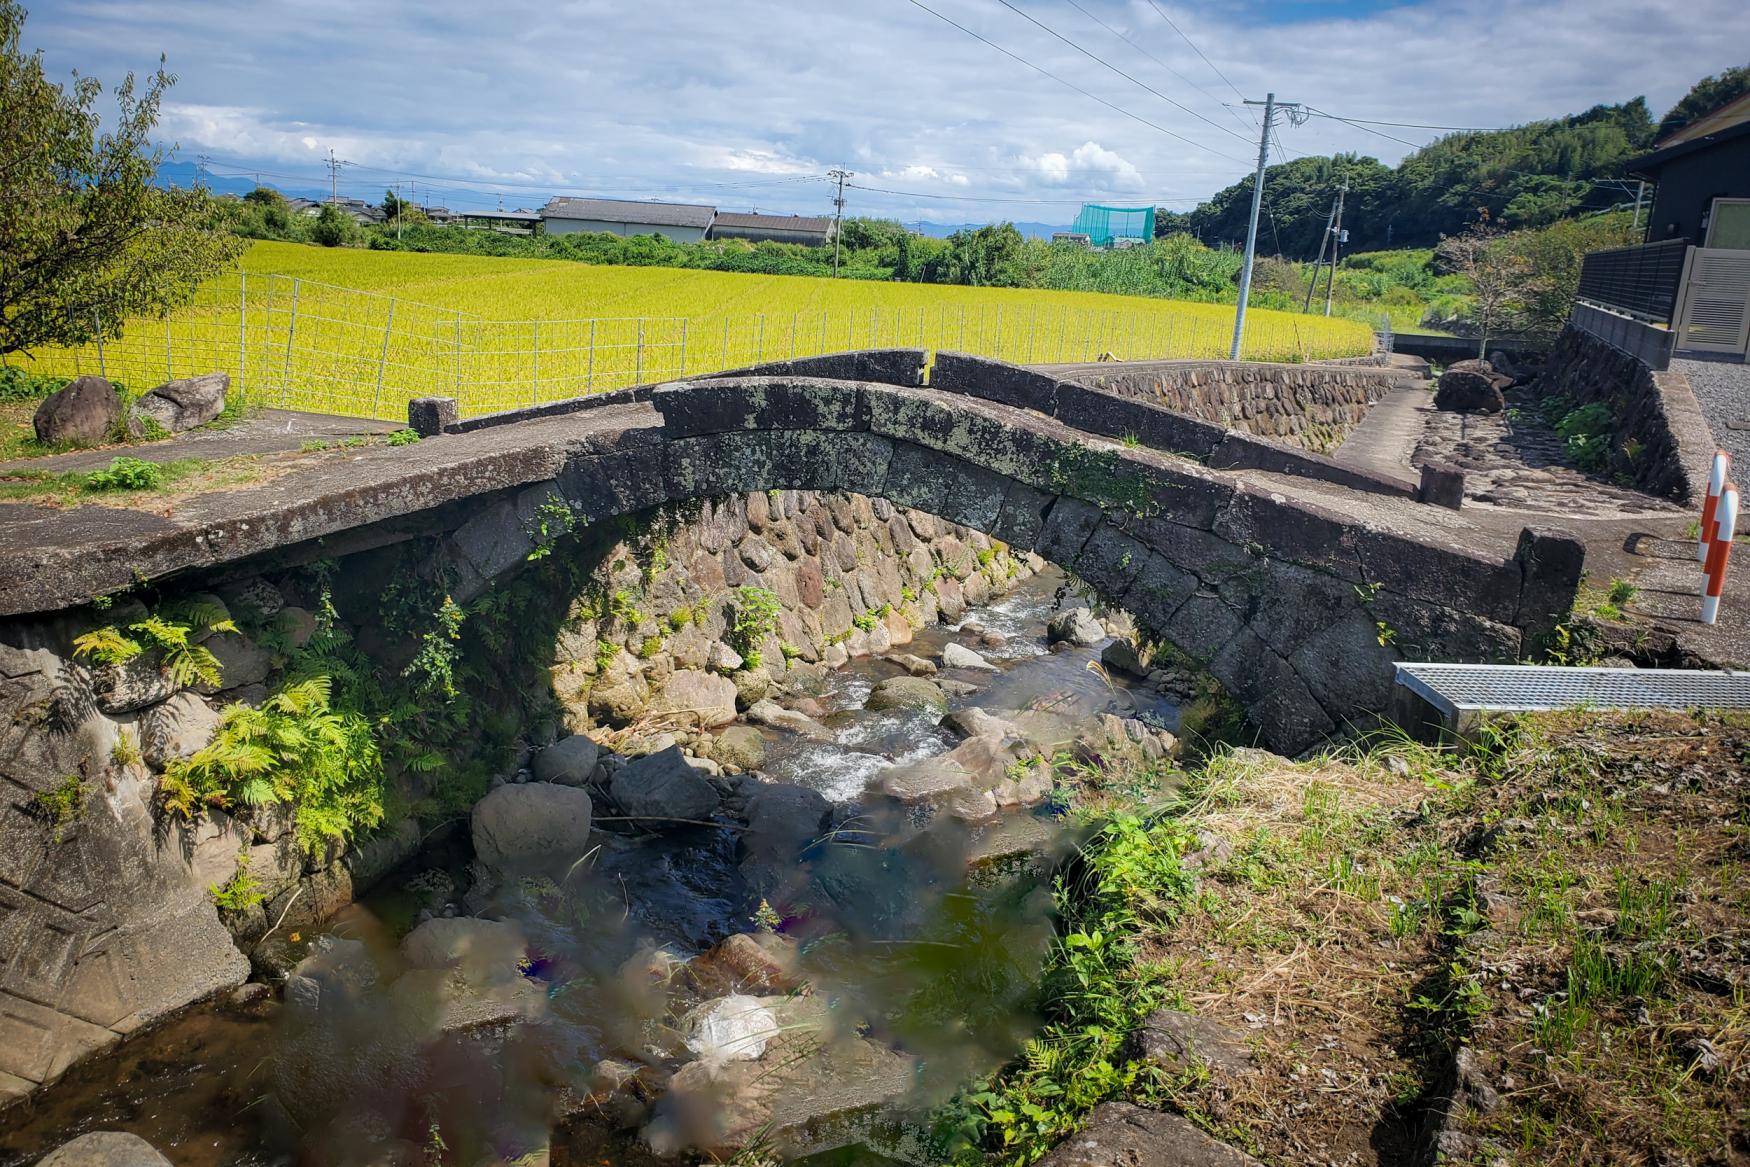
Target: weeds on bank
point(1568, 898)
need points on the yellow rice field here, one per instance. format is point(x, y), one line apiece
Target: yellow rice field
point(361, 332)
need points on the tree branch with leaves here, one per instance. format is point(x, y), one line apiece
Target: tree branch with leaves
point(86, 240)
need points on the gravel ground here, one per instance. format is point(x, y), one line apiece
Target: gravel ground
point(1724, 393)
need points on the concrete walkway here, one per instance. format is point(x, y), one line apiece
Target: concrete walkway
point(1389, 434)
point(267, 431)
point(1722, 389)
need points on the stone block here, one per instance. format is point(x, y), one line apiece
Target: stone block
point(430, 416)
point(1117, 417)
point(1067, 527)
point(994, 381)
point(1551, 563)
point(1118, 1134)
point(1442, 485)
point(1433, 574)
point(693, 408)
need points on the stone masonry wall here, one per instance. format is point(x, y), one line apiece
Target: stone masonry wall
point(1311, 406)
point(1660, 440)
point(653, 641)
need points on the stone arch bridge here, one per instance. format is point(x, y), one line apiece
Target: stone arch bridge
point(1295, 581)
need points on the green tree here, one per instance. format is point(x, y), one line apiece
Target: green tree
point(984, 257)
point(394, 206)
point(1705, 96)
point(265, 196)
point(333, 227)
point(1501, 279)
point(86, 240)
point(1553, 255)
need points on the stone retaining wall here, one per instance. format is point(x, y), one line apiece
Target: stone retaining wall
point(1660, 441)
point(1311, 406)
point(652, 640)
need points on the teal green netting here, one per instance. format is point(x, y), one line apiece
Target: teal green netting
point(1104, 224)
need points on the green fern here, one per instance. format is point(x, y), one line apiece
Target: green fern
point(107, 645)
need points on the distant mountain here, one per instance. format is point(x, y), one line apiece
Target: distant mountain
point(189, 173)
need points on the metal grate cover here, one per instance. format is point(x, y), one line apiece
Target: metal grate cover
point(1508, 688)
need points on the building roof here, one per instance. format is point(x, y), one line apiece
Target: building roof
point(1724, 124)
point(760, 222)
point(630, 211)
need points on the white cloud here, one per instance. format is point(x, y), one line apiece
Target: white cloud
point(739, 101)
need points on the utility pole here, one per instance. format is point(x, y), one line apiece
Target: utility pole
point(1319, 263)
point(1640, 196)
point(1336, 245)
point(333, 177)
point(1270, 108)
point(838, 213)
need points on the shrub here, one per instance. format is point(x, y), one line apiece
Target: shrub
point(126, 474)
point(294, 749)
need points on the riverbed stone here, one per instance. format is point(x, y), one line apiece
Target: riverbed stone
point(663, 786)
point(958, 656)
point(769, 712)
point(748, 962)
point(782, 819)
point(1118, 1134)
point(1177, 1041)
point(481, 949)
point(1074, 626)
point(105, 1149)
point(908, 693)
point(529, 820)
point(241, 662)
point(569, 762)
point(917, 666)
point(1123, 656)
point(807, 1092)
point(742, 746)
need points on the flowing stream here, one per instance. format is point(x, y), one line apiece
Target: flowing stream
point(912, 959)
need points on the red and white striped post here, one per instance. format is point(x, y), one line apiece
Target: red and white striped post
point(1716, 482)
point(1725, 526)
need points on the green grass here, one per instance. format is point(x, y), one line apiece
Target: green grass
point(124, 475)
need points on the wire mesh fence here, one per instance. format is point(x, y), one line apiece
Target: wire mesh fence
point(300, 344)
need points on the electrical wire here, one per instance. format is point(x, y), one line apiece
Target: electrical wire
point(1195, 49)
point(1126, 39)
point(1070, 84)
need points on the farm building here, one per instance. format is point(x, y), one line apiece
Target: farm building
point(812, 232)
point(681, 222)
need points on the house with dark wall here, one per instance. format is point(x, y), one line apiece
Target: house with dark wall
point(681, 222)
point(1703, 177)
point(806, 230)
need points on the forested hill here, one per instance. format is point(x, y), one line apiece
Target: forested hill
point(1527, 176)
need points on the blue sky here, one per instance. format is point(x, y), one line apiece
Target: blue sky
point(746, 103)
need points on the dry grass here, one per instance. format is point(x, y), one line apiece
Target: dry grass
point(1570, 901)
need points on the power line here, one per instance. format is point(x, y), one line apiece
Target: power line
point(918, 194)
point(1367, 128)
point(1126, 39)
point(1409, 125)
point(1069, 84)
point(1099, 60)
point(1195, 49)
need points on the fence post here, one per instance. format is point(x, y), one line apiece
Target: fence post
point(683, 347)
point(638, 369)
point(760, 341)
point(291, 332)
point(383, 360)
point(723, 359)
point(793, 316)
point(999, 345)
point(242, 328)
point(962, 344)
point(822, 351)
point(589, 381)
point(168, 375)
point(102, 368)
point(537, 397)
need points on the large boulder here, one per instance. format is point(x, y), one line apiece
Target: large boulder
point(1074, 626)
point(568, 762)
point(663, 786)
point(82, 413)
point(770, 713)
point(1469, 387)
point(741, 746)
point(104, 1149)
point(179, 405)
point(908, 693)
point(531, 819)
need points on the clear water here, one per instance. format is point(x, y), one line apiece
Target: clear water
point(894, 938)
